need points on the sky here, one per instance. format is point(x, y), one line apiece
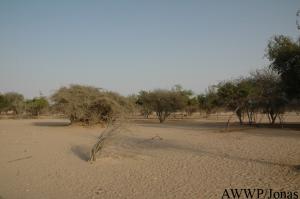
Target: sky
point(128, 46)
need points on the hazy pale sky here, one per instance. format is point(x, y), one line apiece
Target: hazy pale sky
point(126, 46)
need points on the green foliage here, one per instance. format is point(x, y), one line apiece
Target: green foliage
point(163, 102)
point(192, 105)
point(143, 100)
point(190, 102)
point(208, 101)
point(12, 102)
point(3, 102)
point(284, 54)
point(36, 105)
point(234, 95)
point(269, 94)
point(260, 92)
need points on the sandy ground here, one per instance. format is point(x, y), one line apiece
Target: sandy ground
point(47, 159)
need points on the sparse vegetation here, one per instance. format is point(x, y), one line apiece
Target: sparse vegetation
point(89, 105)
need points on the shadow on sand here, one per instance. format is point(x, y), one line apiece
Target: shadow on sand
point(156, 144)
point(82, 152)
point(182, 124)
point(200, 125)
point(53, 123)
point(297, 168)
point(291, 125)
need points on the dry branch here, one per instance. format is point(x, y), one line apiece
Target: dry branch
point(111, 130)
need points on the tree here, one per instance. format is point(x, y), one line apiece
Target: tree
point(143, 100)
point(132, 103)
point(269, 93)
point(3, 103)
point(36, 105)
point(259, 92)
point(89, 104)
point(234, 96)
point(192, 106)
point(13, 101)
point(191, 103)
point(208, 101)
point(162, 102)
point(284, 54)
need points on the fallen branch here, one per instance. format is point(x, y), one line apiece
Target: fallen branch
point(108, 132)
point(24, 158)
point(157, 137)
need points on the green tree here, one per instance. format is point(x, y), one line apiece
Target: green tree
point(36, 105)
point(192, 106)
point(162, 102)
point(269, 94)
point(208, 101)
point(3, 103)
point(191, 102)
point(284, 54)
point(13, 102)
point(259, 92)
point(143, 100)
point(233, 97)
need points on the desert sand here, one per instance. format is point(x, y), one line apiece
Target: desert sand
point(46, 158)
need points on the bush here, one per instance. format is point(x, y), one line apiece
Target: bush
point(88, 104)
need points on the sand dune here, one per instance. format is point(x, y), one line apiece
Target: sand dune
point(46, 158)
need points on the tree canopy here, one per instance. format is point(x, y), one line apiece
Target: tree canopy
point(36, 105)
point(284, 54)
point(12, 101)
point(89, 104)
point(162, 102)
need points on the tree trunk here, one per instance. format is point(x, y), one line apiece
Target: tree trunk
point(273, 117)
point(239, 115)
point(161, 119)
point(234, 112)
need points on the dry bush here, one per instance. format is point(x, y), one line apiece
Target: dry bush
point(110, 131)
point(89, 105)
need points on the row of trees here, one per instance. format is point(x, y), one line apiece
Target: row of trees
point(15, 102)
point(260, 92)
point(79, 103)
point(269, 91)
